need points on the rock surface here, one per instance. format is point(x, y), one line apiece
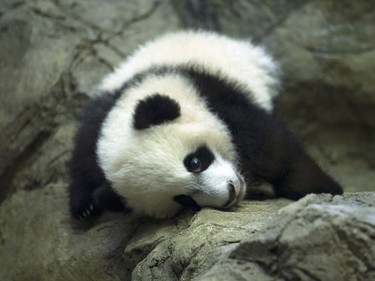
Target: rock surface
point(317, 238)
point(184, 248)
point(51, 55)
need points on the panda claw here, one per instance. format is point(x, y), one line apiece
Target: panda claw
point(86, 211)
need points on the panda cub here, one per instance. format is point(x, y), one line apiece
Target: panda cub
point(187, 121)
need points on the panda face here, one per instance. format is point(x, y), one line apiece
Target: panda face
point(218, 183)
point(162, 152)
point(172, 166)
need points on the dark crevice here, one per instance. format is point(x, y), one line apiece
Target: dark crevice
point(101, 60)
point(41, 13)
point(6, 178)
point(38, 122)
point(101, 36)
point(23, 120)
point(72, 15)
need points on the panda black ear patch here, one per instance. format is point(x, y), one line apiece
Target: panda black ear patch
point(155, 110)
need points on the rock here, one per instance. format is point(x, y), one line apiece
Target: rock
point(182, 249)
point(38, 240)
point(318, 238)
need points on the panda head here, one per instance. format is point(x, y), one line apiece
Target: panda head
point(167, 155)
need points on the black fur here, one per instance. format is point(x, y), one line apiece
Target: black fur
point(268, 150)
point(89, 192)
point(187, 202)
point(155, 110)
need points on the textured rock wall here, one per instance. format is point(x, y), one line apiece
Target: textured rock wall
point(317, 238)
point(53, 52)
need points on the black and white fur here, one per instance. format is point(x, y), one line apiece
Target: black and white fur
point(187, 121)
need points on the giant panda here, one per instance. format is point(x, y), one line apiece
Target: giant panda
point(187, 121)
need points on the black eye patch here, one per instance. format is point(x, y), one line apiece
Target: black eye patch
point(199, 160)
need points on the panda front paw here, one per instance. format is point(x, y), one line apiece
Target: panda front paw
point(85, 210)
point(87, 213)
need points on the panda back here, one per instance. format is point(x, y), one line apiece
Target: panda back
point(233, 60)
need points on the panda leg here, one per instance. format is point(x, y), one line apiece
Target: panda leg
point(108, 199)
point(298, 174)
point(271, 152)
point(304, 176)
point(81, 201)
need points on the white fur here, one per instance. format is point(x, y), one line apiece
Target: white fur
point(146, 166)
point(215, 181)
point(238, 60)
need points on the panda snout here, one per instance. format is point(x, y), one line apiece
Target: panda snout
point(232, 195)
point(236, 192)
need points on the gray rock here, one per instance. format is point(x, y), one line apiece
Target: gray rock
point(182, 249)
point(318, 238)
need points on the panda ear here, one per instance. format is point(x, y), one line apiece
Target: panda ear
point(155, 110)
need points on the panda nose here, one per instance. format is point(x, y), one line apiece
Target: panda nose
point(232, 195)
point(236, 190)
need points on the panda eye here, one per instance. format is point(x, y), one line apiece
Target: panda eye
point(195, 165)
point(199, 160)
